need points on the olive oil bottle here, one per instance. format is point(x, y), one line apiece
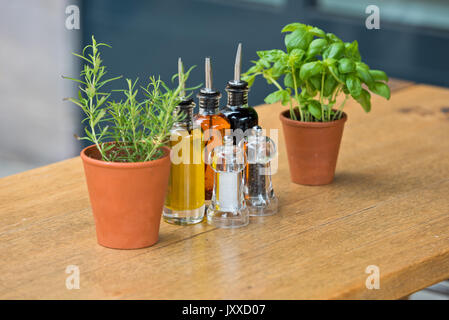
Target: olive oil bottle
point(184, 203)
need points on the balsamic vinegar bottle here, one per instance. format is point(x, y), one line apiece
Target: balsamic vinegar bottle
point(212, 122)
point(240, 115)
point(184, 203)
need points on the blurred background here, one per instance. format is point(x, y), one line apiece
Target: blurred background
point(147, 36)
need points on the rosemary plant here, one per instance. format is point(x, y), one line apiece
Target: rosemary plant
point(316, 68)
point(128, 130)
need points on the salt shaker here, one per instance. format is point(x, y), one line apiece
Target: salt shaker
point(228, 208)
point(258, 186)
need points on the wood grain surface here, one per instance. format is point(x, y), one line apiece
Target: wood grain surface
point(388, 207)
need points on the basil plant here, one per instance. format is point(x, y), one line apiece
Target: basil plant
point(315, 69)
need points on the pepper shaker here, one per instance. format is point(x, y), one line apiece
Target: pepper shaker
point(259, 193)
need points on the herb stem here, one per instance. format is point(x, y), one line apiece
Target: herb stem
point(296, 93)
point(274, 82)
point(340, 109)
point(321, 96)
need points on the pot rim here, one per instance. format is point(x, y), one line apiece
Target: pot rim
point(283, 116)
point(123, 165)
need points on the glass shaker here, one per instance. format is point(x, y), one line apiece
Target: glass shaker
point(227, 208)
point(258, 186)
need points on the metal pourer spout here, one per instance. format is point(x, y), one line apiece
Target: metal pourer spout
point(185, 106)
point(208, 74)
point(237, 89)
point(208, 97)
point(181, 78)
point(238, 64)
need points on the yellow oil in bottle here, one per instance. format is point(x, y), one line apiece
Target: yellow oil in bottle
point(185, 199)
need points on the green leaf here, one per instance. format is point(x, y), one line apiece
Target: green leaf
point(314, 108)
point(80, 97)
point(346, 65)
point(253, 69)
point(316, 82)
point(354, 86)
point(334, 51)
point(293, 26)
point(362, 71)
point(316, 47)
point(77, 103)
point(73, 79)
point(273, 97)
point(317, 32)
point(288, 81)
point(295, 57)
point(107, 81)
point(310, 69)
point(280, 66)
point(336, 74)
point(285, 97)
point(300, 39)
point(270, 55)
point(268, 74)
point(329, 85)
point(280, 95)
point(332, 37)
point(379, 75)
point(352, 51)
point(310, 89)
point(81, 57)
point(250, 80)
point(380, 89)
point(263, 64)
point(329, 61)
point(365, 100)
point(102, 100)
point(89, 134)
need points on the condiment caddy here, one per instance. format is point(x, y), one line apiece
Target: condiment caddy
point(221, 160)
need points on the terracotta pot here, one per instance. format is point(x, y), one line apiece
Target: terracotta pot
point(126, 198)
point(312, 149)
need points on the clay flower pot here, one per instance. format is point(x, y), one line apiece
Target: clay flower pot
point(312, 149)
point(126, 198)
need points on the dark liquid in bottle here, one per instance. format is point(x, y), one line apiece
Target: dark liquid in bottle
point(241, 117)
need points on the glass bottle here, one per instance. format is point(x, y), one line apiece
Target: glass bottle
point(259, 194)
point(240, 115)
point(213, 124)
point(228, 208)
point(184, 203)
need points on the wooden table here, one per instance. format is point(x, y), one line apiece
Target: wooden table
point(388, 207)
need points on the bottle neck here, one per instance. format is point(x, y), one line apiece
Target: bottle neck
point(185, 110)
point(188, 118)
point(208, 112)
point(208, 101)
point(235, 105)
point(237, 94)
